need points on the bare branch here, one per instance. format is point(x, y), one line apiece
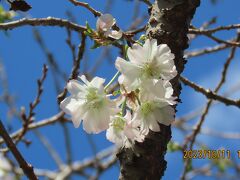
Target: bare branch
point(38, 124)
point(87, 6)
point(210, 94)
point(49, 21)
point(26, 167)
point(220, 28)
point(27, 119)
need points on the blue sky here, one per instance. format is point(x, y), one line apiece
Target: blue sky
point(23, 60)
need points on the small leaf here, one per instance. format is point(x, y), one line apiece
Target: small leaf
point(117, 92)
point(89, 29)
point(173, 146)
point(87, 33)
point(143, 38)
point(20, 5)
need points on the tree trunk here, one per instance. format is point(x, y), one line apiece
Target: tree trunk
point(169, 22)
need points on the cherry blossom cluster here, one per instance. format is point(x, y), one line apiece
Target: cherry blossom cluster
point(144, 99)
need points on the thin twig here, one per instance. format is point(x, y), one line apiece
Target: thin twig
point(87, 6)
point(49, 21)
point(210, 94)
point(28, 119)
point(26, 167)
point(41, 123)
point(220, 28)
point(76, 66)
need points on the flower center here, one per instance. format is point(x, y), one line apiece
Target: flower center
point(94, 101)
point(146, 108)
point(118, 124)
point(149, 71)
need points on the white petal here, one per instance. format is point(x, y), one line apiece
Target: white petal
point(165, 115)
point(76, 119)
point(84, 79)
point(97, 82)
point(130, 71)
point(70, 105)
point(88, 123)
point(163, 49)
point(147, 48)
point(137, 54)
point(96, 121)
point(137, 119)
point(105, 22)
point(74, 87)
point(153, 123)
point(113, 34)
point(154, 46)
point(114, 136)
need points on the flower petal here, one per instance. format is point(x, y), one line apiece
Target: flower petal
point(114, 34)
point(137, 54)
point(165, 114)
point(105, 22)
point(70, 105)
point(74, 87)
point(130, 73)
point(97, 82)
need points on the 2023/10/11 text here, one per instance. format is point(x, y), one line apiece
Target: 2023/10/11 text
point(209, 154)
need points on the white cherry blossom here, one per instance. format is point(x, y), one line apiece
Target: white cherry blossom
point(104, 25)
point(150, 61)
point(122, 132)
point(89, 103)
point(160, 91)
point(155, 108)
point(150, 113)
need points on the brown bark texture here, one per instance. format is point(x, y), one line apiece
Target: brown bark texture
point(169, 22)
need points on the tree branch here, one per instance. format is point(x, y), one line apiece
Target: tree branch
point(210, 94)
point(169, 25)
point(49, 21)
point(87, 6)
point(26, 167)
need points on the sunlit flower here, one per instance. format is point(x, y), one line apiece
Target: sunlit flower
point(89, 103)
point(150, 113)
point(122, 132)
point(104, 26)
point(160, 91)
point(150, 61)
point(156, 98)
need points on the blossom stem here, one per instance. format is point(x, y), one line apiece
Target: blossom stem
point(123, 107)
point(112, 80)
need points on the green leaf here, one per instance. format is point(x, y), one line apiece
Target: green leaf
point(89, 29)
point(87, 33)
point(173, 146)
point(5, 15)
point(117, 92)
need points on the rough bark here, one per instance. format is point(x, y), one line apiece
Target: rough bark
point(169, 22)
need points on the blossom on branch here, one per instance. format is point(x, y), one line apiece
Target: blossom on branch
point(122, 132)
point(89, 103)
point(150, 61)
point(104, 26)
point(156, 98)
